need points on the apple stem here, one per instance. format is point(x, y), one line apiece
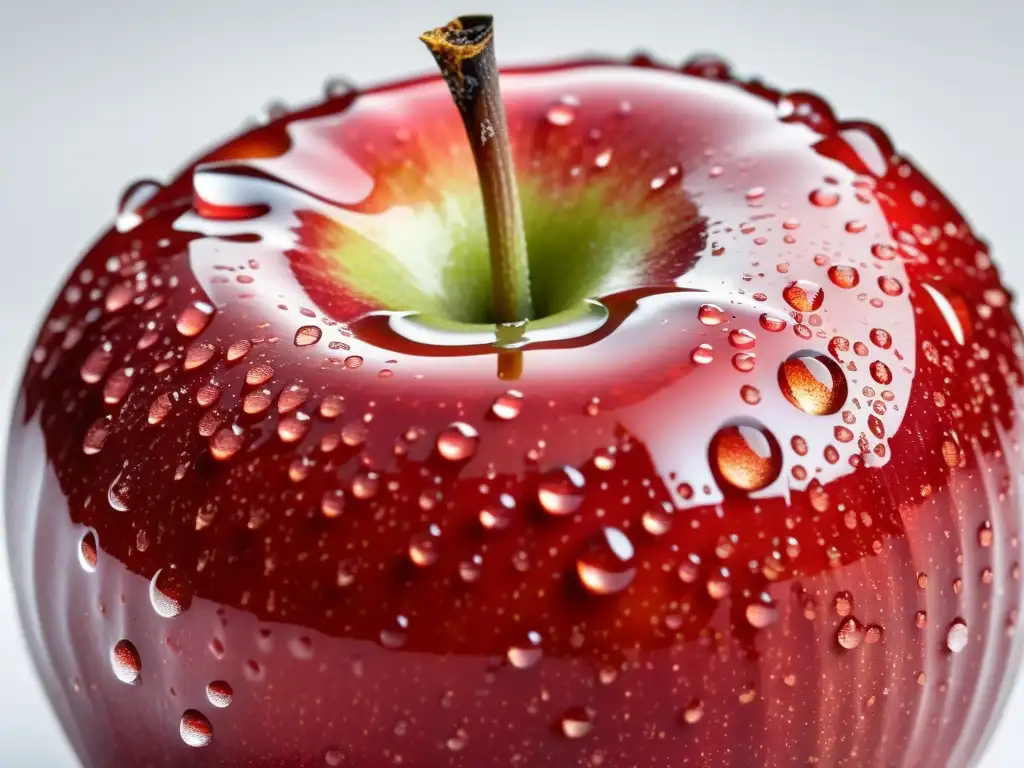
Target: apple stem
point(464, 50)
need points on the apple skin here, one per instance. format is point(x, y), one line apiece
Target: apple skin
point(789, 530)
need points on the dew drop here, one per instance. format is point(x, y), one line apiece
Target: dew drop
point(88, 551)
point(159, 408)
point(96, 436)
point(824, 198)
point(365, 485)
point(220, 694)
point(576, 723)
point(771, 323)
point(957, 636)
point(507, 405)
point(803, 295)
point(694, 712)
point(458, 441)
point(710, 314)
point(226, 442)
point(813, 383)
point(332, 406)
point(395, 635)
point(117, 493)
point(527, 653)
point(561, 490)
point(890, 286)
point(850, 634)
point(238, 350)
point(762, 613)
point(423, 547)
point(259, 374)
point(307, 335)
point(844, 276)
point(118, 385)
point(194, 318)
point(257, 401)
point(702, 354)
point(880, 372)
point(126, 662)
point(606, 565)
point(195, 729)
point(746, 457)
point(170, 592)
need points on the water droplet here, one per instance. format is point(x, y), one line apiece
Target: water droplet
point(126, 662)
point(353, 361)
point(561, 115)
point(702, 354)
point(458, 441)
point(470, 570)
point(525, 654)
point(985, 534)
point(844, 276)
point(96, 364)
point(257, 401)
point(395, 635)
point(220, 694)
point(813, 383)
point(495, 517)
point(694, 712)
point(194, 318)
point(957, 636)
point(117, 386)
point(170, 592)
point(576, 723)
point(606, 565)
point(718, 585)
point(751, 395)
point(195, 729)
point(803, 295)
point(159, 408)
point(880, 338)
point(423, 549)
point(657, 522)
point(238, 350)
point(292, 428)
point(890, 285)
point(507, 405)
point(226, 442)
point(259, 374)
point(741, 338)
point(746, 457)
point(307, 335)
point(880, 372)
point(207, 394)
point(850, 634)
point(332, 406)
point(763, 613)
point(133, 199)
point(710, 314)
point(824, 198)
point(88, 551)
point(198, 355)
point(333, 504)
point(96, 436)
point(771, 323)
point(953, 310)
point(561, 490)
point(365, 485)
point(336, 88)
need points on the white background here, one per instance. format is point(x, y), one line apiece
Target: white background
point(93, 94)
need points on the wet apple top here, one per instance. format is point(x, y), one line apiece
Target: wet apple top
point(747, 310)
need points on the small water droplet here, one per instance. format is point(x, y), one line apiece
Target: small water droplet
point(527, 653)
point(118, 493)
point(423, 547)
point(365, 485)
point(159, 408)
point(259, 374)
point(850, 634)
point(226, 442)
point(170, 592)
point(762, 613)
point(694, 712)
point(307, 335)
point(771, 323)
point(195, 729)
point(606, 564)
point(710, 314)
point(824, 198)
point(880, 372)
point(126, 662)
point(953, 310)
point(332, 406)
point(890, 285)
point(88, 551)
point(198, 355)
point(238, 350)
point(844, 276)
point(395, 635)
point(336, 88)
point(96, 364)
point(561, 490)
point(257, 401)
point(702, 354)
point(561, 115)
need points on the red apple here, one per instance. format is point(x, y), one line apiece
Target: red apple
point(752, 500)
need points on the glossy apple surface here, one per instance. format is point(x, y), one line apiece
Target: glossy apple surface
point(754, 499)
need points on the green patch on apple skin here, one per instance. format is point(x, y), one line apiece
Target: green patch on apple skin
point(433, 258)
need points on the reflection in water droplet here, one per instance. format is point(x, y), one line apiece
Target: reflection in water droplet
point(813, 383)
point(458, 441)
point(561, 490)
point(606, 565)
point(195, 729)
point(745, 457)
point(126, 662)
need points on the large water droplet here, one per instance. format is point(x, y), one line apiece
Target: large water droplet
point(957, 636)
point(458, 441)
point(606, 564)
point(561, 490)
point(170, 592)
point(813, 383)
point(745, 457)
point(953, 310)
point(195, 729)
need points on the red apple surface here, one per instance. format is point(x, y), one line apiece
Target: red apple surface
point(753, 498)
